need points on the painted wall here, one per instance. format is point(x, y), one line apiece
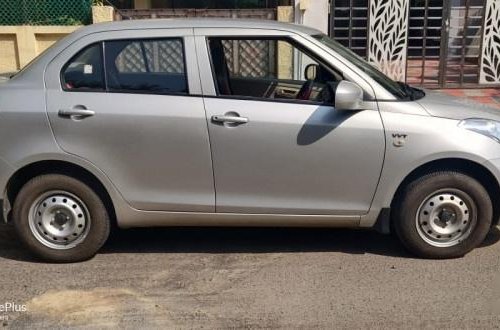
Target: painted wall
point(313, 13)
point(20, 44)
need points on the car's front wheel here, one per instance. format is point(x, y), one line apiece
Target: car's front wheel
point(60, 218)
point(443, 215)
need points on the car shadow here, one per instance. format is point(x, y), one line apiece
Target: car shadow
point(237, 240)
point(492, 238)
point(252, 240)
point(320, 124)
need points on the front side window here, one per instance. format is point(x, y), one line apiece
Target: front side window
point(146, 65)
point(84, 72)
point(268, 68)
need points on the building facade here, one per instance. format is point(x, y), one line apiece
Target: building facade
point(431, 43)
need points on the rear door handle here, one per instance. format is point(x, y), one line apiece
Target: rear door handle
point(229, 119)
point(76, 113)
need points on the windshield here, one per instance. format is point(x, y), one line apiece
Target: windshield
point(399, 90)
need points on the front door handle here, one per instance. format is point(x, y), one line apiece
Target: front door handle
point(76, 113)
point(229, 119)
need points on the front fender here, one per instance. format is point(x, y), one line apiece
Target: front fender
point(413, 141)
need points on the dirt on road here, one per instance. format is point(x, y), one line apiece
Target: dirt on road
point(251, 278)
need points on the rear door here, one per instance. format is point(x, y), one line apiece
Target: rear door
point(123, 101)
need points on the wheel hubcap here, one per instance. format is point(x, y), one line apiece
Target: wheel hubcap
point(445, 218)
point(59, 220)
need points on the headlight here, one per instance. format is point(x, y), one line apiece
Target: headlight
point(487, 127)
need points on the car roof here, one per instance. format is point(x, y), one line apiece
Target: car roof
point(197, 23)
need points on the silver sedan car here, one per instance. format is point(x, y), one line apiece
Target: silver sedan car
point(236, 123)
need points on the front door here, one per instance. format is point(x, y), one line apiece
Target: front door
point(135, 119)
point(276, 147)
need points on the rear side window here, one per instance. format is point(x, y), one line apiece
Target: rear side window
point(85, 70)
point(155, 66)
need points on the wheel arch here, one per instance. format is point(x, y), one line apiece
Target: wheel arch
point(25, 173)
point(465, 166)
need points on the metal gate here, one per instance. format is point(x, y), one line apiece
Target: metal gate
point(349, 24)
point(445, 43)
point(461, 49)
point(425, 41)
point(444, 38)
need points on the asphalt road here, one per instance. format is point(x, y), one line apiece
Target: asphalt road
point(252, 278)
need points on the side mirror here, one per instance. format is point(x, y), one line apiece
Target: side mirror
point(348, 96)
point(311, 71)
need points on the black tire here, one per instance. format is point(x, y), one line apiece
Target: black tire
point(99, 224)
point(415, 193)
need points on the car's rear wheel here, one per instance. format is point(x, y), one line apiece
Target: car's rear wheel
point(60, 219)
point(443, 215)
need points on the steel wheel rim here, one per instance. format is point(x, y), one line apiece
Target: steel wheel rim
point(59, 220)
point(446, 217)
